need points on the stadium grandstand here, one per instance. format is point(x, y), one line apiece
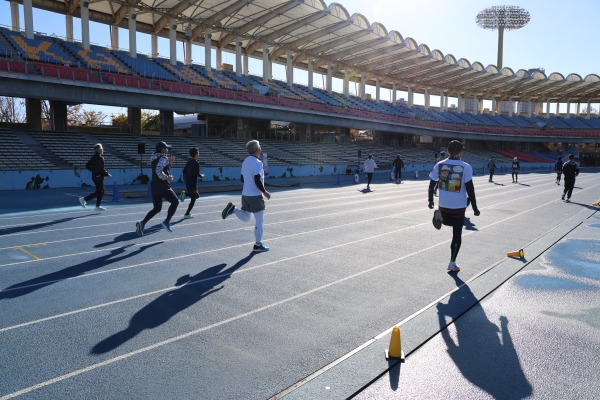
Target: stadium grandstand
point(230, 104)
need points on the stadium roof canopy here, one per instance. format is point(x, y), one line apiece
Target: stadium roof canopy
point(329, 36)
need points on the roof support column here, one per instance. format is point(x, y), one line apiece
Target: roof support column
point(394, 93)
point(28, 16)
point(410, 96)
point(494, 106)
point(114, 37)
point(238, 56)
point(85, 24)
point(329, 83)
point(589, 111)
point(427, 99)
point(377, 89)
point(69, 28)
point(557, 108)
point(578, 108)
point(132, 39)
point(154, 45)
point(346, 83)
point(529, 107)
point(460, 100)
point(219, 58)
point(188, 52)
point(290, 68)
point(266, 69)
point(510, 108)
point(310, 73)
point(569, 108)
point(207, 49)
point(548, 109)
point(245, 64)
point(442, 100)
point(363, 86)
point(173, 41)
point(14, 16)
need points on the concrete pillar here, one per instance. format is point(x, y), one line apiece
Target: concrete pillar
point(14, 16)
point(154, 45)
point(28, 17)
point(363, 86)
point(329, 82)
point(132, 30)
point(494, 106)
point(58, 115)
point(188, 52)
point(85, 24)
point(427, 99)
point(568, 109)
point(166, 123)
point(308, 132)
point(69, 28)
point(557, 108)
point(377, 89)
point(510, 108)
point(548, 109)
point(173, 41)
point(290, 68)
point(246, 64)
point(207, 49)
point(219, 53)
point(310, 73)
point(394, 93)
point(114, 37)
point(346, 84)
point(238, 56)
point(410, 96)
point(33, 112)
point(134, 117)
point(460, 102)
point(589, 111)
point(529, 107)
point(578, 108)
point(265, 60)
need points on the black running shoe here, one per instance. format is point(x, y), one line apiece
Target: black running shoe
point(437, 219)
point(228, 210)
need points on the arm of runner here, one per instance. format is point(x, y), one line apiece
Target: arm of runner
point(430, 193)
point(261, 187)
point(471, 193)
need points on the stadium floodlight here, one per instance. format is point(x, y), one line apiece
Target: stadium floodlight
point(502, 18)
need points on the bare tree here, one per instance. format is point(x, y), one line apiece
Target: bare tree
point(12, 110)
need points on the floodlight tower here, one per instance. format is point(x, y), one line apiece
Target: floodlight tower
point(502, 18)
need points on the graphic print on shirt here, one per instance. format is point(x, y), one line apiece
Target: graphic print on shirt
point(451, 177)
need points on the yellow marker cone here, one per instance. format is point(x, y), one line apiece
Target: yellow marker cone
point(395, 350)
point(519, 253)
point(597, 204)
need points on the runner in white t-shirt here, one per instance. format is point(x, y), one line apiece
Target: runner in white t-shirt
point(253, 178)
point(455, 180)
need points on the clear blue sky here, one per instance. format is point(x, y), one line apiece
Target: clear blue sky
point(561, 36)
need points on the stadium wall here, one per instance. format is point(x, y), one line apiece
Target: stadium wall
point(75, 178)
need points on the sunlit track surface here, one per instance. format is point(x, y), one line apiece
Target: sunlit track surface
point(193, 314)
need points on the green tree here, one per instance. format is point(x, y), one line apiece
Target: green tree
point(150, 120)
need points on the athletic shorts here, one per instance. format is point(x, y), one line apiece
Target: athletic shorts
point(452, 217)
point(253, 203)
point(192, 192)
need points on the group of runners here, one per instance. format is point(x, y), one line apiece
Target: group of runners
point(450, 175)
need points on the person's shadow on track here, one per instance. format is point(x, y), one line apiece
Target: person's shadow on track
point(469, 225)
point(36, 226)
point(163, 308)
point(485, 359)
point(127, 236)
point(31, 285)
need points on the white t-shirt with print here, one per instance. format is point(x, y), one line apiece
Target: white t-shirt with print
point(250, 167)
point(452, 176)
point(369, 165)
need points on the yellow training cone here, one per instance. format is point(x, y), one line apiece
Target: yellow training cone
point(395, 350)
point(597, 204)
point(519, 253)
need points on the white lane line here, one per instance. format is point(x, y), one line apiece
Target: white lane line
point(215, 221)
point(245, 270)
point(233, 319)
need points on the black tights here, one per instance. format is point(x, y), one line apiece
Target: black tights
point(158, 193)
point(456, 220)
point(369, 178)
point(192, 202)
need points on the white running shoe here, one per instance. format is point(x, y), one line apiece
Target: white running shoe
point(82, 202)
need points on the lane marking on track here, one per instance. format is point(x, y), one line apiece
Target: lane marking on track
point(28, 253)
point(242, 228)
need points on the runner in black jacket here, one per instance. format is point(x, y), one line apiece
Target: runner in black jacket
point(96, 166)
point(191, 173)
point(570, 171)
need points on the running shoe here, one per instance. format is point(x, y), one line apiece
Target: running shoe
point(188, 216)
point(260, 247)
point(568, 200)
point(452, 267)
point(437, 219)
point(182, 196)
point(228, 210)
point(100, 208)
point(139, 228)
point(167, 226)
point(563, 197)
point(82, 202)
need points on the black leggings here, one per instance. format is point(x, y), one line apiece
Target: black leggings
point(455, 219)
point(515, 175)
point(99, 193)
point(193, 193)
point(569, 185)
point(398, 174)
point(369, 178)
point(491, 174)
point(159, 192)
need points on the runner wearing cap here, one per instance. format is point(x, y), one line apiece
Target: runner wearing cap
point(161, 188)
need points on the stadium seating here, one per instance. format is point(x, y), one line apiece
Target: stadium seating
point(96, 58)
point(39, 48)
point(144, 66)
